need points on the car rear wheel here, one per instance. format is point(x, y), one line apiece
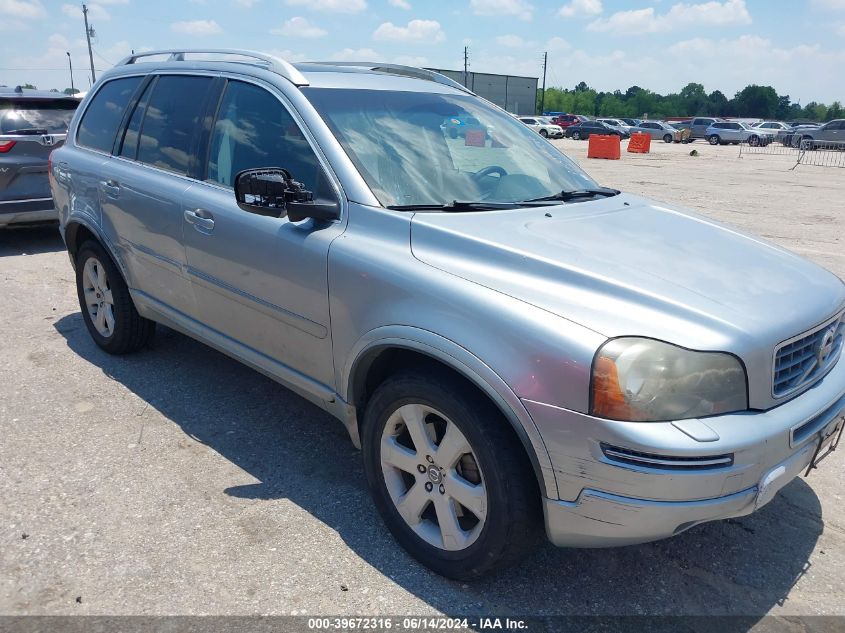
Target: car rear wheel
point(446, 475)
point(107, 307)
point(667, 138)
point(714, 139)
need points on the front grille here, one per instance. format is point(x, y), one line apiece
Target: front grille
point(800, 361)
point(665, 462)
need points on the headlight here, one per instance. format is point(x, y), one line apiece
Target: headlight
point(646, 380)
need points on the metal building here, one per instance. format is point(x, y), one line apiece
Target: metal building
point(513, 93)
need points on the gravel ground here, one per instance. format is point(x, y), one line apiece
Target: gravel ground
point(177, 481)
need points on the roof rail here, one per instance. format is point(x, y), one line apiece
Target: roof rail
point(274, 64)
point(405, 71)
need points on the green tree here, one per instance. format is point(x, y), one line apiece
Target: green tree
point(756, 101)
point(70, 91)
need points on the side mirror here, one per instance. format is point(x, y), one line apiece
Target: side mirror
point(274, 192)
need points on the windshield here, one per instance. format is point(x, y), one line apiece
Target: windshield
point(407, 148)
point(36, 117)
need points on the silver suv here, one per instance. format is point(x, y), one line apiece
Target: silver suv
point(509, 343)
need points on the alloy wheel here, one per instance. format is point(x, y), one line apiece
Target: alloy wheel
point(98, 296)
point(433, 477)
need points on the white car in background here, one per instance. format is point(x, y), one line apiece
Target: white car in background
point(544, 128)
point(616, 123)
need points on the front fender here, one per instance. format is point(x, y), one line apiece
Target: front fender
point(468, 365)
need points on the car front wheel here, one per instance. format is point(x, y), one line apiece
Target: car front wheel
point(544, 134)
point(447, 475)
point(107, 307)
point(714, 140)
point(576, 136)
point(754, 141)
point(667, 138)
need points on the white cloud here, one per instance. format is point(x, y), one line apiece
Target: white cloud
point(95, 12)
point(247, 4)
point(288, 55)
point(411, 60)
point(299, 27)
point(519, 8)
point(400, 4)
point(356, 55)
point(427, 31)
point(196, 27)
point(513, 41)
point(578, 8)
point(640, 21)
point(332, 6)
point(22, 8)
point(557, 44)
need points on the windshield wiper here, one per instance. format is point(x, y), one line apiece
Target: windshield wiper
point(457, 205)
point(575, 194)
point(28, 130)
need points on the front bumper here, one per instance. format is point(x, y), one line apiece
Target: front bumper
point(605, 503)
point(34, 211)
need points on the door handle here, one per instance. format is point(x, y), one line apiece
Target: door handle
point(111, 187)
point(200, 218)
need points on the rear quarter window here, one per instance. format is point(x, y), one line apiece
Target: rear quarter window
point(102, 118)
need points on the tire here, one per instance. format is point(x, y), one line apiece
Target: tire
point(576, 136)
point(494, 459)
point(714, 139)
point(806, 143)
point(754, 140)
point(667, 138)
point(120, 329)
point(544, 134)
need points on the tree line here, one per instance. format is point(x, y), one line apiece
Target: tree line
point(752, 101)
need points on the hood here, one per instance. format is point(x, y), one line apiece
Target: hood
point(628, 266)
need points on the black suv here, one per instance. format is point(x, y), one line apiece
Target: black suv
point(32, 124)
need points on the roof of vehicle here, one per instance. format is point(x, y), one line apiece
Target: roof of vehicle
point(28, 93)
point(334, 74)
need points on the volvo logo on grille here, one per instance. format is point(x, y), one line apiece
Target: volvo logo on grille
point(825, 348)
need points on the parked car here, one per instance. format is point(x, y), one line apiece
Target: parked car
point(725, 132)
point(565, 120)
point(792, 137)
point(32, 124)
point(457, 127)
point(831, 134)
point(508, 342)
point(615, 123)
point(632, 122)
point(546, 130)
point(697, 126)
point(658, 130)
point(582, 131)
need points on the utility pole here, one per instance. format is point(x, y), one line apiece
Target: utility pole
point(466, 65)
point(70, 63)
point(89, 31)
point(543, 94)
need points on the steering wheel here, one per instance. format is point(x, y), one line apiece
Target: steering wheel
point(489, 171)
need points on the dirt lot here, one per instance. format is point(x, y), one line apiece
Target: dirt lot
point(177, 481)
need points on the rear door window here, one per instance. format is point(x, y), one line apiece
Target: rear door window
point(171, 120)
point(129, 144)
point(101, 120)
point(36, 116)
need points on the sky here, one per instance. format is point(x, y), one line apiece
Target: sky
point(797, 46)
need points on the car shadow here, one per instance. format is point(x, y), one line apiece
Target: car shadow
point(31, 240)
point(298, 452)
